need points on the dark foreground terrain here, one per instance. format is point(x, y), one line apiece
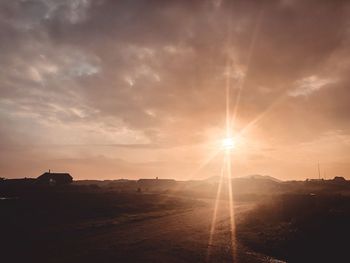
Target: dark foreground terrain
point(82, 223)
point(88, 224)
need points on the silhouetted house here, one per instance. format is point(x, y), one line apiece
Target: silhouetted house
point(49, 178)
point(339, 179)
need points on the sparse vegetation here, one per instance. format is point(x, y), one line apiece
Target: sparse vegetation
point(300, 228)
point(295, 221)
point(41, 221)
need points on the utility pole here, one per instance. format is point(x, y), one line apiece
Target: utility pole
point(319, 172)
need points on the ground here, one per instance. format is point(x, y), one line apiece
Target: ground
point(290, 221)
point(118, 227)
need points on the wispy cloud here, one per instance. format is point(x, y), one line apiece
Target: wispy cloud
point(153, 73)
point(309, 85)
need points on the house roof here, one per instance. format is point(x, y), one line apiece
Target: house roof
point(54, 175)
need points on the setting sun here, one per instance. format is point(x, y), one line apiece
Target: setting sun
point(228, 143)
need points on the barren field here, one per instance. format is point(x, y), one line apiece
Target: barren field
point(292, 222)
point(106, 226)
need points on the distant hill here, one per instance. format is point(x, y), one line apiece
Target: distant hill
point(252, 177)
point(261, 177)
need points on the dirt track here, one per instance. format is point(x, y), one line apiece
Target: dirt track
point(178, 237)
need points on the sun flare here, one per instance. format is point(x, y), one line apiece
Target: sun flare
point(228, 143)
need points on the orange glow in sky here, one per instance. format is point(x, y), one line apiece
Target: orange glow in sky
point(105, 92)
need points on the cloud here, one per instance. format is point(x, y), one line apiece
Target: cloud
point(309, 85)
point(154, 72)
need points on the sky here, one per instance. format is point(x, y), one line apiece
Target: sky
point(108, 89)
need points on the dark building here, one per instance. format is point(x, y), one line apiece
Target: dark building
point(49, 178)
point(339, 179)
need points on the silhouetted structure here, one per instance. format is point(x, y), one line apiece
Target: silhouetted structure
point(49, 178)
point(339, 179)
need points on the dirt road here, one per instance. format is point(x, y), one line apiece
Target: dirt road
point(179, 237)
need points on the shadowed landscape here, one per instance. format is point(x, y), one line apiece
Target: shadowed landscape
point(159, 220)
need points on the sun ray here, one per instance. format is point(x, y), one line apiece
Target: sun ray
point(203, 164)
point(241, 83)
point(231, 205)
point(216, 207)
point(262, 114)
